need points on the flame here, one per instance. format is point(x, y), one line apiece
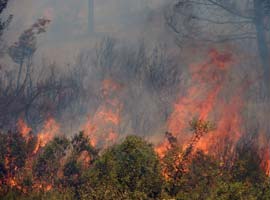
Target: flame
point(111, 138)
point(228, 128)
point(108, 116)
point(202, 100)
point(267, 168)
point(48, 188)
point(49, 131)
point(265, 165)
point(90, 129)
point(109, 87)
point(23, 128)
point(85, 159)
point(207, 79)
point(264, 153)
point(162, 148)
point(42, 186)
point(102, 127)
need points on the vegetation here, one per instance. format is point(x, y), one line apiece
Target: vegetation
point(133, 89)
point(128, 170)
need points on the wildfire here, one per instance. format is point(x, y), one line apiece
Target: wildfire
point(85, 159)
point(103, 125)
point(108, 116)
point(23, 128)
point(202, 100)
point(162, 148)
point(109, 87)
point(267, 169)
point(264, 153)
point(49, 131)
point(90, 129)
point(266, 162)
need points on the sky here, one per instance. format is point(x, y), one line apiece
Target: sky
point(71, 15)
point(69, 19)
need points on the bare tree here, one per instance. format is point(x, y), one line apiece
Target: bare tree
point(3, 24)
point(225, 21)
point(23, 50)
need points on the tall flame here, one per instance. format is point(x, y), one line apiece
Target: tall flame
point(202, 100)
point(49, 131)
point(23, 128)
point(103, 126)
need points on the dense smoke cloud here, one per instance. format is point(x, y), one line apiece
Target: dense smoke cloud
point(141, 54)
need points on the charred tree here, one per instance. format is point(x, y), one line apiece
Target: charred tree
point(246, 19)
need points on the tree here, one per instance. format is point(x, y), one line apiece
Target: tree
point(247, 165)
point(129, 170)
point(225, 21)
point(3, 24)
point(82, 155)
point(48, 163)
point(234, 191)
point(14, 152)
point(199, 179)
point(23, 50)
point(81, 143)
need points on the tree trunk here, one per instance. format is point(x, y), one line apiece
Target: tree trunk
point(91, 16)
point(262, 45)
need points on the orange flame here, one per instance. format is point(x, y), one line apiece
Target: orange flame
point(162, 148)
point(103, 125)
point(202, 100)
point(23, 128)
point(90, 129)
point(108, 116)
point(267, 168)
point(49, 131)
point(264, 153)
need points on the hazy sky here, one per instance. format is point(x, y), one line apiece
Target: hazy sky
point(70, 17)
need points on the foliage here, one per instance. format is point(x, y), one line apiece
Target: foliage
point(129, 170)
point(4, 23)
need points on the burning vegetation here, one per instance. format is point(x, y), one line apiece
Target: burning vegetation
point(205, 150)
point(128, 121)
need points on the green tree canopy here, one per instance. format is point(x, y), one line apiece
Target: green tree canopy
point(129, 170)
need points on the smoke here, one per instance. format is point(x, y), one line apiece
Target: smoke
point(142, 59)
point(67, 33)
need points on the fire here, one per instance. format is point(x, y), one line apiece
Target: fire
point(207, 82)
point(102, 127)
point(23, 128)
point(162, 148)
point(109, 87)
point(228, 128)
point(264, 153)
point(48, 187)
point(90, 129)
point(85, 159)
point(42, 186)
point(208, 79)
point(112, 137)
point(49, 131)
point(266, 161)
point(267, 169)
point(108, 116)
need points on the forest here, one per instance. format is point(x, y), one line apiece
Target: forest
point(125, 100)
